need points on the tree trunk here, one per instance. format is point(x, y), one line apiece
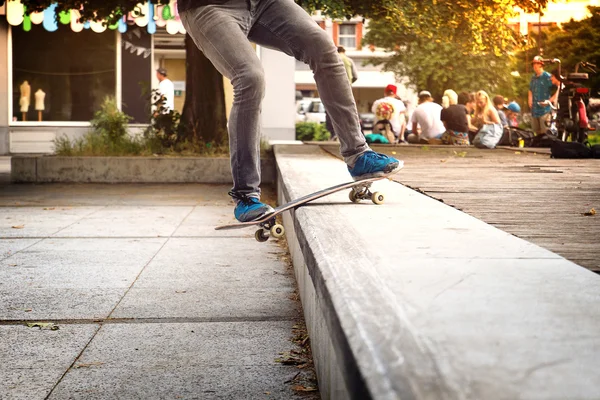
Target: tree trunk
point(204, 117)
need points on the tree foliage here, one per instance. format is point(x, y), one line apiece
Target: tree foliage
point(574, 42)
point(451, 44)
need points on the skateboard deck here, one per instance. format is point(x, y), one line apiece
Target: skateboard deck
point(269, 226)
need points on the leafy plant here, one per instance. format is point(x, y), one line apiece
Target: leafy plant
point(443, 45)
point(311, 131)
point(110, 122)
point(163, 132)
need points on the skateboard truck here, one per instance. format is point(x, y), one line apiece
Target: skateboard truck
point(363, 192)
point(269, 228)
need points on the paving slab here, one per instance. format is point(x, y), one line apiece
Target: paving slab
point(84, 263)
point(8, 247)
point(77, 278)
point(186, 360)
point(58, 304)
point(181, 281)
point(132, 221)
point(203, 219)
point(34, 359)
point(40, 221)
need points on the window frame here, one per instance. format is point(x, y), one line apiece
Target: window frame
point(340, 36)
point(118, 94)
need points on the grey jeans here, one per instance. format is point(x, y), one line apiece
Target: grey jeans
point(223, 33)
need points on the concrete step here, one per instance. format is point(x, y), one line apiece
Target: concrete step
point(415, 299)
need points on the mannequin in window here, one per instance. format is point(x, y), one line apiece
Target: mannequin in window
point(25, 99)
point(39, 102)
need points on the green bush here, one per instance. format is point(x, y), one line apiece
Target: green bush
point(110, 122)
point(311, 131)
point(165, 125)
point(109, 136)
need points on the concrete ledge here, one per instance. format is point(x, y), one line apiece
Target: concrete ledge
point(44, 169)
point(415, 299)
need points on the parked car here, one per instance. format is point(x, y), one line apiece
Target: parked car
point(300, 111)
point(302, 107)
point(367, 121)
point(315, 112)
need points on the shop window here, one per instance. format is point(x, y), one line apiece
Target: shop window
point(64, 74)
point(347, 36)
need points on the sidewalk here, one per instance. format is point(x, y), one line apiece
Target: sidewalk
point(146, 300)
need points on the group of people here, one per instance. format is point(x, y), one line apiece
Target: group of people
point(462, 119)
point(467, 118)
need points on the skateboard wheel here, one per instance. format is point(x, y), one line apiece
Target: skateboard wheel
point(353, 196)
point(260, 236)
point(377, 198)
point(277, 231)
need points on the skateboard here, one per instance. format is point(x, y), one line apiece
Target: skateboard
point(360, 190)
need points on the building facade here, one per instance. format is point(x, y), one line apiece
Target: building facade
point(371, 79)
point(57, 72)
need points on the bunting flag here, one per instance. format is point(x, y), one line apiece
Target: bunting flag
point(137, 50)
point(146, 15)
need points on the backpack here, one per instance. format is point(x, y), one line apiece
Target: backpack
point(511, 136)
point(596, 151)
point(560, 149)
point(376, 138)
point(543, 140)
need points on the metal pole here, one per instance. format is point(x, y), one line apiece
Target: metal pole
point(540, 32)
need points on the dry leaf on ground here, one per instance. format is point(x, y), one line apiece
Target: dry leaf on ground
point(299, 388)
point(43, 325)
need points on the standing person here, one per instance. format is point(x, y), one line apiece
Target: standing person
point(352, 77)
point(540, 96)
point(486, 119)
point(166, 89)
point(427, 116)
point(223, 31)
point(395, 116)
point(348, 65)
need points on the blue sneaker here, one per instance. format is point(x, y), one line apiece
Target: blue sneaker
point(371, 165)
point(250, 208)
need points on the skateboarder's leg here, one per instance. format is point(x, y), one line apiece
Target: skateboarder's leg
point(283, 25)
point(220, 31)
